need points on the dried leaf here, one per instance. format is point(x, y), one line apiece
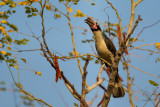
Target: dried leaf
point(58, 72)
point(24, 60)
point(136, 98)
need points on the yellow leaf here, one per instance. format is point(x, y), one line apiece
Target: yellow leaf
point(2, 28)
point(16, 66)
point(35, 0)
point(79, 11)
point(48, 7)
point(2, 3)
point(116, 24)
point(1, 12)
point(1, 45)
point(5, 1)
point(23, 3)
point(70, 9)
point(3, 21)
point(10, 31)
point(157, 45)
point(38, 72)
point(75, 53)
point(79, 14)
point(3, 52)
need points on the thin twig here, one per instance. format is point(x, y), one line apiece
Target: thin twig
point(27, 93)
point(120, 24)
point(150, 97)
point(143, 30)
point(140, 70)
point(129, 84)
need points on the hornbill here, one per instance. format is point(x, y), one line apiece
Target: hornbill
point(107, 51)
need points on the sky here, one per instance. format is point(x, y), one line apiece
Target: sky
point(59, 40)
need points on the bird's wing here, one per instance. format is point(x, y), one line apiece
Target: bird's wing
point(110, 45)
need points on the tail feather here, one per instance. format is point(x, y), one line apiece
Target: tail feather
point(118, 90)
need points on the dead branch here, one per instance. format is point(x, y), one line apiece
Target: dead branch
point(72, 89)
point(47, 57)
point(131, 32)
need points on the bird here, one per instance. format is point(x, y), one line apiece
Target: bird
point(107, 51)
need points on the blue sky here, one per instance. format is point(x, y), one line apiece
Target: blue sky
point(59, 39)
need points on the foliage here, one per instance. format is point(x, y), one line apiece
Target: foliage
point(38, 8)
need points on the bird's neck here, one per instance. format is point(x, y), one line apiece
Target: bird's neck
point(98, 36)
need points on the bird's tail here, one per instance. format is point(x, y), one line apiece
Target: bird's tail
point(118, 90)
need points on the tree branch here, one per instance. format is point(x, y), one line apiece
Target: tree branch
point(83, 93)
point(139, 1)
point(120, 24)
point(131, 32)
point(129, 84)
point(72, 89)
point(114, 68)
point(27, 93)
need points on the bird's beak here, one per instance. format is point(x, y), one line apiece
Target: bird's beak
point(86, 21)
point(89, 21)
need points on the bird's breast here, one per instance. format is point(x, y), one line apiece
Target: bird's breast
point(103, 51)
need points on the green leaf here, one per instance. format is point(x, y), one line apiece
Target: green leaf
point(57, 16)
point(8, 12)
point(34, 14)
point(34, 10)
point(96, 61)
point(27, 8)
point(3, 82)
point(70, 54)
point(29, 16)
point(12, 5)
point(131, 39)
point(13, 11)
point(153, 83)
point(28, 11)
point(93, 4)
point(76, 105)
point(14, 27)
point(61, 0)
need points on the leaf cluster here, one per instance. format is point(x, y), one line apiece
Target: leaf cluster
point(31, 11)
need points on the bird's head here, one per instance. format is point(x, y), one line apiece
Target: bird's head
point(92, 24)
